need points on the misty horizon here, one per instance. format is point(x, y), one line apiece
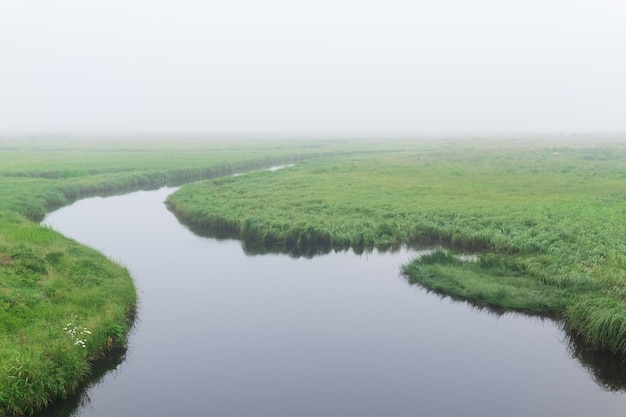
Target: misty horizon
point(340, 69)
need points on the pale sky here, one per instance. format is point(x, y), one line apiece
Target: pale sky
point(341, 67)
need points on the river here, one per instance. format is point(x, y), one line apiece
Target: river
point(224, 333)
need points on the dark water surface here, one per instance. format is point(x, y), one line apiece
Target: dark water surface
point(221, 333)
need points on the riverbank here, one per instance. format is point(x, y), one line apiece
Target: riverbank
point(546, 222)
point(239, 334)
point(64, 306)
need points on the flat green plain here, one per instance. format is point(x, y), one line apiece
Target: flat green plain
point(543, 222)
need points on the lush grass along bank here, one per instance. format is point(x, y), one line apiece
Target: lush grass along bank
point(547, 222)
point(62, 305)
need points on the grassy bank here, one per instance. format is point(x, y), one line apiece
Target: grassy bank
point(545, 221)
point(64, 306)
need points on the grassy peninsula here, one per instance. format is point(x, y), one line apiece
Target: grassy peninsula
point(64, 306)
point(545, 221)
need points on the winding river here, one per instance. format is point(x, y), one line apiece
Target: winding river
point(224, 333)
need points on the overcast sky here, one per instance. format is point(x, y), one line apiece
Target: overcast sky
point(340, 67)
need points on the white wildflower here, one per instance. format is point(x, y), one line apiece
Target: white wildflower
point(73, 331)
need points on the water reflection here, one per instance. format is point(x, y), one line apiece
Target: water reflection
point(80, 399)
point(252, 247)
point(608, 369)
point(221, 333)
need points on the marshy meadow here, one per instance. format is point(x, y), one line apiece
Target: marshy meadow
point(532, 226)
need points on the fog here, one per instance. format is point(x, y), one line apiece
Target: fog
point(327, 68)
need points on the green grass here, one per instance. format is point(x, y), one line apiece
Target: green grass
point(64, 307)
point(38, 176)
point(50, 288)
point(498, 287)
point(546, 222)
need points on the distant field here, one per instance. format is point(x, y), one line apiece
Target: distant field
point(39, 174)
point(546, 221)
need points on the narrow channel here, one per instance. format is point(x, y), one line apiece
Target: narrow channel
point(223, 333)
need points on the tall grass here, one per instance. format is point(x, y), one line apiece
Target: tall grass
point(546, 222)
point(59, 304)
